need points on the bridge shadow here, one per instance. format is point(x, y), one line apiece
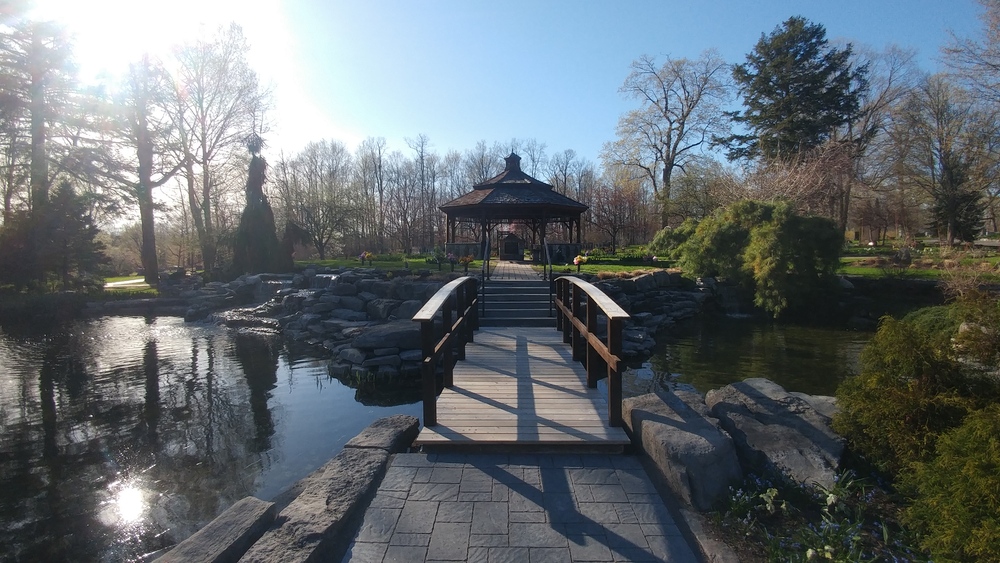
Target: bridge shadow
point(580, 502)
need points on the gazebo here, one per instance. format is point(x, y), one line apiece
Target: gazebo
point(514, 197)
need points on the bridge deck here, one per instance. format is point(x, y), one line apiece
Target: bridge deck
point(519, 386)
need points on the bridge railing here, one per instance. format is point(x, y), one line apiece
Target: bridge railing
point(455, 305)
point(577, 303)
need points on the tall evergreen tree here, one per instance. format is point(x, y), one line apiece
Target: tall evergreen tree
point(52, 247)
point(797, 90)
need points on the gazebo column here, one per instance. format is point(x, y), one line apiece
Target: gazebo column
point(485, 237)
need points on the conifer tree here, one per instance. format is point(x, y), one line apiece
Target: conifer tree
point(797, 90)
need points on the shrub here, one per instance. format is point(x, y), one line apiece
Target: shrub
point(784, 258)
point(911, 389)
point(957, 505)
point(667, 241)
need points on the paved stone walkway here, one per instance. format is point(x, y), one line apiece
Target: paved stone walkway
point(519, 508)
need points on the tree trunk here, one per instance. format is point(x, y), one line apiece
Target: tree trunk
point(144, 194)
point(39, 161)
point(209, 249)
point(665, 198)
point(195, 206)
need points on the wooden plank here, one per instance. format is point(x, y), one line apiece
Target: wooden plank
point(520, 386)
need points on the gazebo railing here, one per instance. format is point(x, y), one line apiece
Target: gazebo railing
point(578, 302)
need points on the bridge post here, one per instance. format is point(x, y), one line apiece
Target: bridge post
point(463, 329)
point(579, 347)
point(615, 326)
point(448, 358)
point(593, 356)
point(428, 386)
point(473, 310)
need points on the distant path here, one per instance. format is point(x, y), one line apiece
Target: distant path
point(137, 283)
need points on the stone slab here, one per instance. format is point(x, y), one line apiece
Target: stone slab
point(228, 536)
point(393, 434)
point(307, 529)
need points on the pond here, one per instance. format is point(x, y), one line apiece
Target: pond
point(122, 435)
point(711, 352)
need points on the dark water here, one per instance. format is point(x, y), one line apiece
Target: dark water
point(713, 352)
point(120, 436)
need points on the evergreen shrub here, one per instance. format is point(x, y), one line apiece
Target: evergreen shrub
point(910, 390)
point(956, 503)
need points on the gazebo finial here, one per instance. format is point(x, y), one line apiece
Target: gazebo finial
point(513, 162)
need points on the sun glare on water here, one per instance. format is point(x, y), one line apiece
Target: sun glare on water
point(130, 504)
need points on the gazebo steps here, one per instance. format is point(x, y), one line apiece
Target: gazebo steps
point(540, 322)
point(522, 302)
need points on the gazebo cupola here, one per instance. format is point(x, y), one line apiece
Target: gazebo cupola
point(513, 196)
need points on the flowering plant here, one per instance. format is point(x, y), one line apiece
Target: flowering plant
point(366, 256)
point(466, 260)
point(452, 258)
point(580, 260)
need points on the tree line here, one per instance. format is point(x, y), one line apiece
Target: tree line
point(862, 137)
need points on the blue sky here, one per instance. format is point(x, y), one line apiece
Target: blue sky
point(461, 71)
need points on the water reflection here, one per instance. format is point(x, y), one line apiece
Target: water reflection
point(120, 436)
point(711, 353)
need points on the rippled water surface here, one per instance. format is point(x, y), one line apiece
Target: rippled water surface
point(122, 435)
point(713, 352)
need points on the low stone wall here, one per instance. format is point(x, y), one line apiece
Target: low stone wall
point(309, 521)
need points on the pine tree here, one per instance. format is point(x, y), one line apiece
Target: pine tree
point(797, 90)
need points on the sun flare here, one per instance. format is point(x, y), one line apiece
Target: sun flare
point(109, 34)
point(130, 504)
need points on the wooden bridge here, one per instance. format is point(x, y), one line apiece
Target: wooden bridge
point(527, 387)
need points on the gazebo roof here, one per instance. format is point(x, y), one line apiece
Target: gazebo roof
point(513, 194)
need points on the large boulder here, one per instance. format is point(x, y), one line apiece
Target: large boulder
point(402, 334)
point(778, 431)
point(695, 457)
point(381, 309)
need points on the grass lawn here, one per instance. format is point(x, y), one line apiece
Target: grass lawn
point(595, 269)
point(874, 272)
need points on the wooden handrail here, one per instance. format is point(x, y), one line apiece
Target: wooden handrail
point(579, 329)
point(457, 296)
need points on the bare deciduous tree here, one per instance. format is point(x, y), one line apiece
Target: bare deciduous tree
point(218, 103)
point(681, 109)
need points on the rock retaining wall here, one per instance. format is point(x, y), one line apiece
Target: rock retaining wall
point(361, 316)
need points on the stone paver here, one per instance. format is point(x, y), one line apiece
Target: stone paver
point(523, 508)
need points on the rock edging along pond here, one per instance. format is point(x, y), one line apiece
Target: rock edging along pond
point(307, 521)
point(361, 316)
point(703, 444)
